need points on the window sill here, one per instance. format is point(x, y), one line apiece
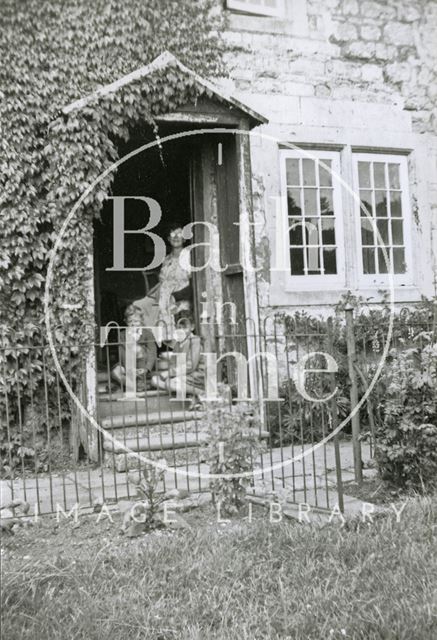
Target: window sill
point(330, 296)
point(265, 24)
point(292, 21)
point(308, 284)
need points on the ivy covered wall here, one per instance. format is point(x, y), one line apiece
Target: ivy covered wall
point(54, 52)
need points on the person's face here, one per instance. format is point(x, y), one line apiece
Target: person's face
point(176, 239)
point(184, 328)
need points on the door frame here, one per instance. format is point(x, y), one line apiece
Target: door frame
point(232, 124)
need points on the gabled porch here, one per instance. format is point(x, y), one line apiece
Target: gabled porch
point(199, 172)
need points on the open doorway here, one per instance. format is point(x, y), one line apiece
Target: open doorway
point(161, 173)
point(194, 178)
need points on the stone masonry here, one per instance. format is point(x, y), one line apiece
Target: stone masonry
point(342, 73)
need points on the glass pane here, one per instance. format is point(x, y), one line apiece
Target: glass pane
point(399, 261)
point(325, 176)
point(296, 262)
point(309, 171)
point(393, 176)
point(364, 175)
point(397, 232)
point(382, 228)
point(367, 236)
point(293, 202)
point(312, 231)
point(381, 203)
point(295, 228)
point(329, 261)
point(328, 231)
point(369, 261)
point(366, 203)
point(326, 202)
point(292, 167)
point(384, 260)
point(379, 175)
point(313, 260)
point(310, 202)
point(395, 204)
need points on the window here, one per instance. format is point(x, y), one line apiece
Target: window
point(317, 227)
point(384, 217)
point(311, 199)
point(257, 7)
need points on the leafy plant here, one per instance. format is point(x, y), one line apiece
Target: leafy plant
point(233, 444)
point(48, 158)
point(294, 420)
point(406, 446)
point(143, 515)
point(148, 492)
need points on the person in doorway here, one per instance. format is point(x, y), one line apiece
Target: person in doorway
point(194, 373)
point(145, 351)
point(172, 294)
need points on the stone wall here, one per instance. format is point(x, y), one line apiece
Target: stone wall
point(380, 49)
point(348, 74)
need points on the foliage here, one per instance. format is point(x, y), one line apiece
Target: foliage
point(148, 492)
point(296, 419)
point(406, 449)
point(148, 512)
point(54, 52)
point(233, 444)
point(13, 454)
point(143, 515)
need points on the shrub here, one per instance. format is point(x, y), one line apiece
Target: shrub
point(295, 420)
point(406, 446)
point(233, 444)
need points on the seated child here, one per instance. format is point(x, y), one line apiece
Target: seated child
point(145, 351)
point(190, 344)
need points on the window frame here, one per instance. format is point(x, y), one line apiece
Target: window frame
point(383, 279)
point(256, 10)
point(314, 282)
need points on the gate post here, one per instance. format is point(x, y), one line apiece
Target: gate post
point(355, 421)
point(334, 414)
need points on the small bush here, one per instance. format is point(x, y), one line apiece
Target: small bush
point(406, 447)
point(294, 420)
point(233, 444)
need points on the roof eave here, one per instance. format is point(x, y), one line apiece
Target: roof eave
point(163, 60)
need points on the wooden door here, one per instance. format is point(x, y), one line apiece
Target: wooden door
point(228, 217)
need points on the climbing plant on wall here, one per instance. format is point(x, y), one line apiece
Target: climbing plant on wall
point(54, 52)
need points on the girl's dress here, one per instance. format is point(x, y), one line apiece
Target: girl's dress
point(172, 277)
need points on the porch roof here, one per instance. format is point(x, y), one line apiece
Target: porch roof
point(164, 60)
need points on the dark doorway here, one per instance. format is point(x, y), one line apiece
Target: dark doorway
point(162, 173)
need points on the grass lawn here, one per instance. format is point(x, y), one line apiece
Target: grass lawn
point(236, 581)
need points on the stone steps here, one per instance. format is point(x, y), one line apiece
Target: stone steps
point(149, 418)
point(178, 450)
point(161, 443)
point(144, 431)
point(151, 423)
point(157, 443)
point(119, 404)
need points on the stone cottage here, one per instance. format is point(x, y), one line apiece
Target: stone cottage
point(315, 160)
point(338, 188)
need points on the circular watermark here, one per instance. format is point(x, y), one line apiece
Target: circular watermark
point(121, 447)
